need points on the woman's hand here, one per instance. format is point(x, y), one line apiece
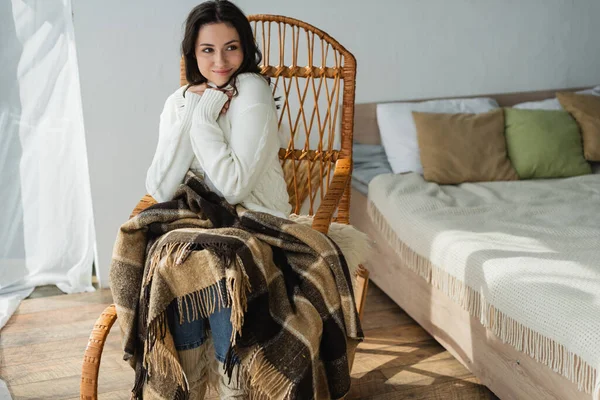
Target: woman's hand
point(229, 94)
point(199, 90)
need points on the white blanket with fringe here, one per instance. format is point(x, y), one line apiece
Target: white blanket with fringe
point(523, 256)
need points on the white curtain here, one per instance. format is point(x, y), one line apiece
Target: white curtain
point(46, 222)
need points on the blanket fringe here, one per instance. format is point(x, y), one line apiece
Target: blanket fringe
point(237, 290)
point(199, 304)
point(182, 252)
point(160, 254)
point(191, 307)
point(140, 378)
point(156, 331)
point(265, 381)
point(522, 338)
point(161, 361)
point(181, 394)
point(203, 303)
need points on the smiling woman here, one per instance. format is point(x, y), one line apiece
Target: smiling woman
point(221, 127)
point(218, 44)
point(217, 61)
point(202, 278)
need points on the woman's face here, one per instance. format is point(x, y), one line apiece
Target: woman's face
point(218, 52)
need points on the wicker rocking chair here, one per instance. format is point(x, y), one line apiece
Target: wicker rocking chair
point(309, 71)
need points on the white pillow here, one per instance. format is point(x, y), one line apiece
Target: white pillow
point(399, 133)
point(552, 104)
point(548, 104)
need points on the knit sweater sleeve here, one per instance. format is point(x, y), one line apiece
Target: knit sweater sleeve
point(235, 165)
point(173, 155)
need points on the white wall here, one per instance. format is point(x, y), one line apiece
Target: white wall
point(409, 49)
point(129, 54)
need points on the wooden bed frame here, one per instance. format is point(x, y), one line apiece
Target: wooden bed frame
point(510, 374)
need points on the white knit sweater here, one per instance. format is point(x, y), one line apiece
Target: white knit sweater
point(236, 153)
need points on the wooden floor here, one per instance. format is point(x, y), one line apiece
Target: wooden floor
point(41, 350)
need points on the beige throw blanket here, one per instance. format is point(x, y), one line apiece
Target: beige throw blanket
point(289, 287)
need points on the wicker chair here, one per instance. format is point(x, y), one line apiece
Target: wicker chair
point(308, 80)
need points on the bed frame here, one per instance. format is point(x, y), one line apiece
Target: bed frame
point(510, 374)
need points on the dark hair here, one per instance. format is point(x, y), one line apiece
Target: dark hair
point(215, 11)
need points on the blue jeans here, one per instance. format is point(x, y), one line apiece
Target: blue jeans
point(193, 334)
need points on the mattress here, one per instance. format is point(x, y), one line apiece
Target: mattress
point(523, 257)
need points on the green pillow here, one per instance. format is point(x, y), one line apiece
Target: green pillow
point(544, 144)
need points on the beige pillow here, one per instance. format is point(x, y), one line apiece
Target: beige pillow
point(457, 148)
point(586, 111)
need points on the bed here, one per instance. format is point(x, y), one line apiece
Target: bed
point(505, 275)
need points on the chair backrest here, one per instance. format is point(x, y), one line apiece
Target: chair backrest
point(314, 79)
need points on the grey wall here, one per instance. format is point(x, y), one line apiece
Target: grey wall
point(431, 48)
point(128, 59)
point(128, 63)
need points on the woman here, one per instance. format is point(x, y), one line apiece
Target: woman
point(222, 127)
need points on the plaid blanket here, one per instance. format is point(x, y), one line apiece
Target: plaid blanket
point(293, 311)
